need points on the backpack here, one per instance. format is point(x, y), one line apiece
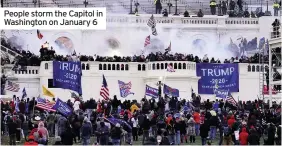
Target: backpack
point(226, 131)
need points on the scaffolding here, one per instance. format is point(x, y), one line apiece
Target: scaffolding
point(274, 63)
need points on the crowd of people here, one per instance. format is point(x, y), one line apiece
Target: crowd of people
point(28, 58)
point(163, 121)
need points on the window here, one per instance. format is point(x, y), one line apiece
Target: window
point(87, 66)
point(126, 67)
point(83, 66)
point(50, 83)
point(253, 68)
point(46, 66)
point(162, 66)
point(104, 67)
point(100, 66)
point(175, 66)
point(184, 65)
point(154, 66)
point(249, 68)
point(118, 67)
point(179, 66)
point(109, 66)
point(139, 67)
point(113, 66)
point(158, 66)
point(143, 67)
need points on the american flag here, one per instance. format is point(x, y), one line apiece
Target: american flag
point(45, 104)
point(104, 92)
point(231, 100)
point(147, 41)
point(170, 68)
point(168, 49)
point(152, 23)
point(14, 87)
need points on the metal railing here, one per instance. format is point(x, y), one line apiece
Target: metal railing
point(275, 33)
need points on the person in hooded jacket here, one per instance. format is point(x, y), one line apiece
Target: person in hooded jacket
point(31, 141)
point(103, 133)
point(271, 130)
point(67, 136)
point(86, 131)
point(231, 121)
point(44, 132)
point(204, 131)
point(253, 138)
point(243, 137)
point(116, 134)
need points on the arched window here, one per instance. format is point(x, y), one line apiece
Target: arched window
point(100, 66)
point(261, 68)
point(154, 66)
point(253, 68)
point(104, 66)
point(175, 66)
point(158, 66)
point(87, 66)
point(46, 66)
point(109, 67)
point(113, 67)
point(165, 65)
point(257, 68)
point(126, 67)
point(249, 68)
point(122, 67)
point(32, 71)
point(139, 67)
point(118, 67)
point(162, 65)
point(184, 65)
point(29, 71)
point(143, 67)
point(83, 66)
point(179, 66)
point(36, 71)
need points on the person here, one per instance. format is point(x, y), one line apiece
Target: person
point(276, 7)
point(271, 130)
point(213, 7)
point(31, 141)
point(62, 121)
point(243, 137)
point(197, 120)
point(67, 135)
point(12, 129)
point(116, 134)
point(204, 131)
point(253, 138)
point(44, 132)
point(227, 132)
point(19, 128)
point(51, 123)
point(103, 132)
point(86, 131)
point(191, 129)
point(134, 122)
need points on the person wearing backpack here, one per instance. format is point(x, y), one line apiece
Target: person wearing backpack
point(227, 131)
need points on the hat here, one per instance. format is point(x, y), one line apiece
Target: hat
point(37, 118)
point(117, 125)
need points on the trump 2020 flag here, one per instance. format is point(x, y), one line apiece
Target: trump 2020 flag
point(124, 88)
point(62, 107)
point(67, 75)
point(171, 91)
point(153, 92)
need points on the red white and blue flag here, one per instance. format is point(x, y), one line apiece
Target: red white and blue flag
point(104, 92)
point(14, 87)
point(45, 104)
point(124, 88)
point(147, 41)
point(170, 68)
point(231, 100)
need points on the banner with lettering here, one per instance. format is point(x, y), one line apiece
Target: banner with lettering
point(221, 93)
point(124, 88)
point(171, 91)
point(67, 75)
point(62, 107)
point(152, 92)
point(225, 75)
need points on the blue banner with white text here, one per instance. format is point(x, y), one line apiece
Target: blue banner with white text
point(67, 75)
point(171, 91)
point(224, 76)
point(221, 93)
point(153, 92)
point(62, 107)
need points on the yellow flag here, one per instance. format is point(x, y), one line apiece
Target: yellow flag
point(47, 92)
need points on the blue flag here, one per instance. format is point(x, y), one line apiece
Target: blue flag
point(24, 93)
point(124, 88)
point(153, 92)
point(62, 107)
point(226, 76)
point(67, 75)
point(114, 121)
point(171, 91)
point(221, 93)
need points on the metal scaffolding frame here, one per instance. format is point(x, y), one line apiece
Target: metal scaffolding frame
point(274, 64)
